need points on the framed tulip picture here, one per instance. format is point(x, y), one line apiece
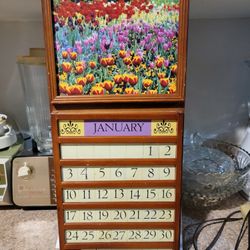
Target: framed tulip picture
point(116, 51)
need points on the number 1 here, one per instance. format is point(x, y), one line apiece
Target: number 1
point(150, 150)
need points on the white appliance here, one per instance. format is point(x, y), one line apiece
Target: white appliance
point(33, 181)
point(9, 147)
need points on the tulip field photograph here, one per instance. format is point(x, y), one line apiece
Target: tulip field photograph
point(119, 47)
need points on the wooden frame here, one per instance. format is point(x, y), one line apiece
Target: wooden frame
point(51, 66)
point(121, 107)
point(124, 114)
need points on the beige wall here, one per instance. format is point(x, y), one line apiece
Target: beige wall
point(15, 39)
point(218, 79)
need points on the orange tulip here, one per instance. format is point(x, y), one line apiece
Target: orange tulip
point(152, 91)
point(108, 85)
point(79, 69)
point(75, 90)
point(161, 75)
point(90, 78)
point(136, 92)
point(63, 87)
point(172, 88)
point(97, 90)
point(66, 66)
point(137, 60)
point(104, 62)
point(174, 68)
point(117, 91)
point(133, 80)
point(122, 53)
point(92, 64)
point(129, 91)
point(81, 81)
point(81, 63)
point(164, 82)
point(79, 20)
point(147, 83)
point(118, 79)
point(110, 61)
point(159, 62)
point(73, 55)
point(126, 77)
point(127, 60)
point(65, 54)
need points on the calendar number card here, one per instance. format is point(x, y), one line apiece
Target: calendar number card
point(132, 235)
point(119, 215)
point(106, 173)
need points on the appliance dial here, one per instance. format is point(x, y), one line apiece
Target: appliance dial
point(24, 171)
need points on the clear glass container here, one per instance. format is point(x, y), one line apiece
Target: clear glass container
point(33, 75)
point(213, 170)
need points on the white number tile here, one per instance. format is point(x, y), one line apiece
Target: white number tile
point(134, 151)
point(108, 174)
point(140, 174)
point(68, 151)
point(85, 151)
point(167, 151)
point(117, 151)
point(101, 151)
point(150, 151)
point(69, 174)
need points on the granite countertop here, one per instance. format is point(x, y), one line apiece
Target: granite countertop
point(229, 236)
point(37, 229)
point(28, 229)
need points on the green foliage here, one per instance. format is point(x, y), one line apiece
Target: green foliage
point(56, 2)
point(159, 2)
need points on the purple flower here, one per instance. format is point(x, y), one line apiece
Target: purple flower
point(139, 53)
point(69, 49)
point(57, 46)
point(154, 49)
point(160, 33)
point(151, 65)
point(166, 46)
point(78, 43)
point(120, 38)
point(148, 46)
point(160, 39)
point(79, 49)
point(170, 34)
point(93, 39)
point(86, 42)
point(122, 46)
point(170, 44)
point(142, 43)
point(148, 37)
point(166, 63)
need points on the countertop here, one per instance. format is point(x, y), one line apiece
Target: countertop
point(28, 229)
point(230, 233)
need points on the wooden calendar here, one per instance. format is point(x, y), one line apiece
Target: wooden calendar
point(116, 72)
point(118, 188)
